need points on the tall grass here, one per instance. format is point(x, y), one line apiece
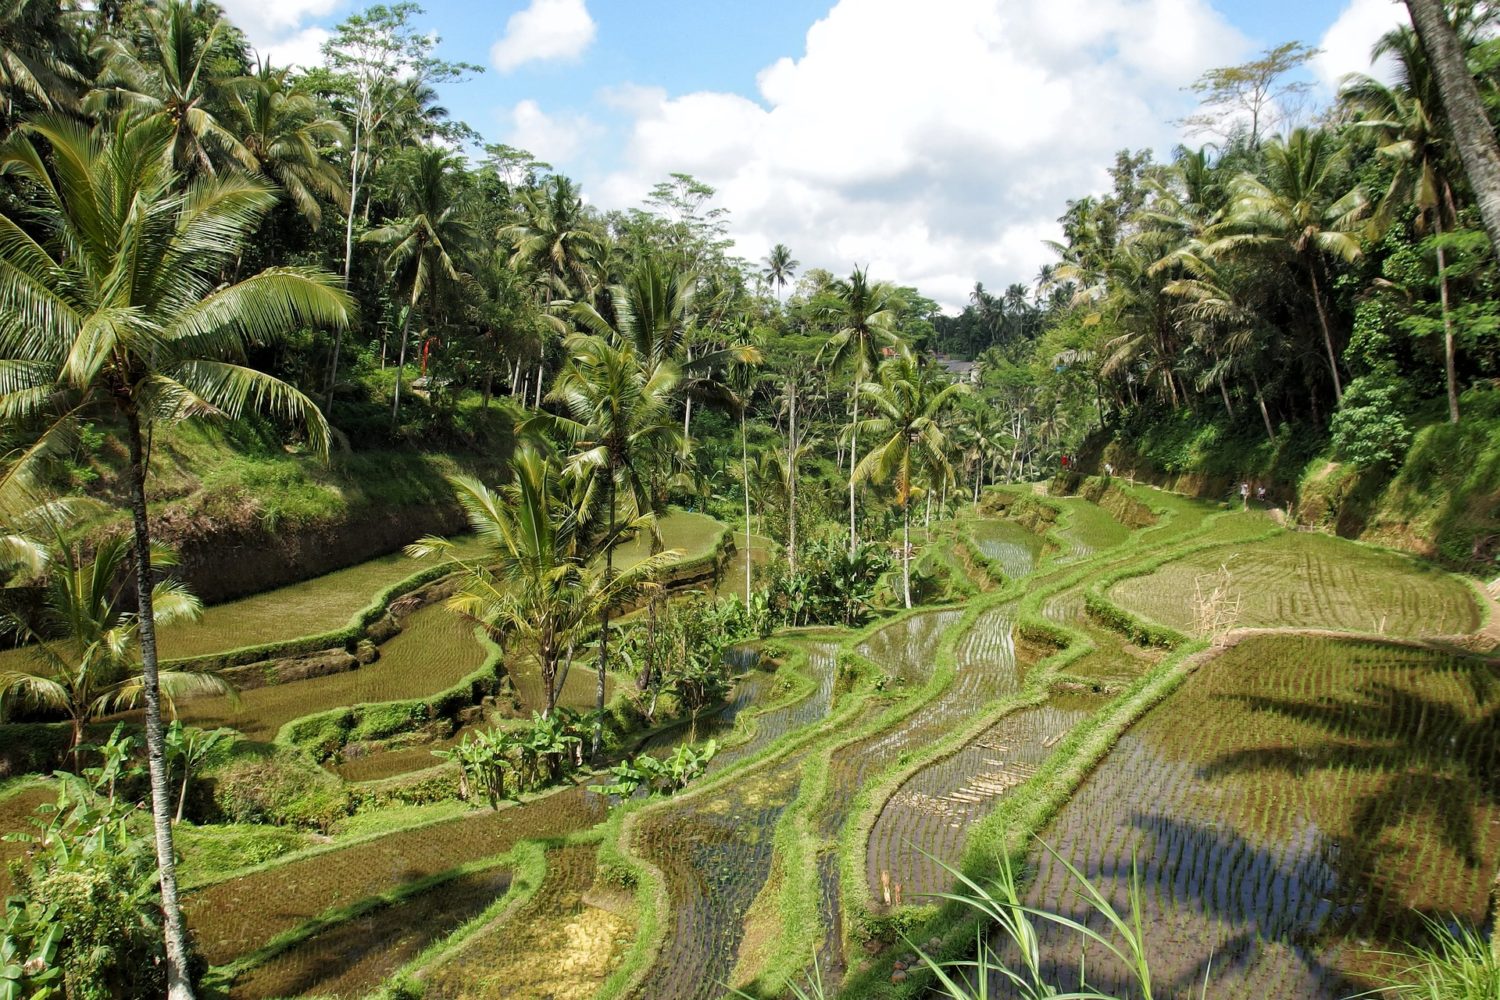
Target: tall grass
point(1458, 965)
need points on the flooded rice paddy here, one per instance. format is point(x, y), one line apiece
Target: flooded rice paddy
point(1309, 580)
point(1341, 789)
point(1289, 808)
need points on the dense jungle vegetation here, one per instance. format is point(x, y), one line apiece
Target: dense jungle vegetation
point(233, 293)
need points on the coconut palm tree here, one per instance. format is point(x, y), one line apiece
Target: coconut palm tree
point(1473, 133)
point(1299, 210)
point(866, 316)
point(780, 268)
point(171, 76)
point(1414, 136)
point(87, 649)
point(422, 243)
point(40, 59)
point(556, 240)
point(535, 588)
point(284, 132)
point(910, 411)
point(112, 303)
point(617, 415)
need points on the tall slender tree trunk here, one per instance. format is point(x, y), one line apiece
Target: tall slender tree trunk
point(609, 573)
point(853, 457)
point(906, 550)
point(179, 986)
point(791, 486)
point(687, 418)
point(401, 359)
point(1450, 363)
point(745, 468)
point(338, 333)
point(1333, 361)
point(1260, 398)
point(538, 404)
point(1472, 131)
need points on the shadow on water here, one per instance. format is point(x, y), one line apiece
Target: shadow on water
point(1341, 792)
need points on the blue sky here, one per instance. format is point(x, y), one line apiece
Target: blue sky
point(935, 142)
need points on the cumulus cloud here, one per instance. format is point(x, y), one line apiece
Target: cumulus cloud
point(936, 143)
point(278, 30)
point(1346, 45)
point(547, 29)
point(554, 138)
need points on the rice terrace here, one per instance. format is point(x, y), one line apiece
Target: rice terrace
point(451, 548)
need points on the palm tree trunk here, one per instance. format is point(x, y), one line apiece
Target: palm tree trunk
point(853, 456)
point(538, 405)
point(609, 572)
point(906, 550)
point(791, 479)
point(1450, 365)
point(1472, 131)
point(401, 359)
point(353, 198)
point(745, 469)
point(187, 772)
point(179, 986)
point(1333, 361)
point(1260, 399)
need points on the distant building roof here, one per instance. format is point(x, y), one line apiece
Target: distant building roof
point(960, 370)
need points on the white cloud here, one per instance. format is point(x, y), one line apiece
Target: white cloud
point(553, 138)
point(547, 29)
point(936, 143)
point(1346, 45)
point(277, 28)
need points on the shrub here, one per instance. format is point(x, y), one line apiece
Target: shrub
point(285, 788)
point(1371, 428)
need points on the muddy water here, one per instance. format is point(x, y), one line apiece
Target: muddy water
point(352, 958)
point(927, 822)
point(1014, 549)
point(715, 850)
point(978, 678)
point(1297, 832)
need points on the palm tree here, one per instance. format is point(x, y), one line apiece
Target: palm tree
point(535, 588)
point(558, 246)
point(1472, 132)
point(284, 132)
point(88, 650)
point(617, 414)
point(171, 77)
point(981, 440)
point(1298, 210)
point(1413, 136)
point(112, 302)
point(40, 59)
point(556, 240)
point(866, 314)
point(422, 242)
point(910, 408)
point(780, 268)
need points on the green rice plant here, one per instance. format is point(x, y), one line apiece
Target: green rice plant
point(1458, 965)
